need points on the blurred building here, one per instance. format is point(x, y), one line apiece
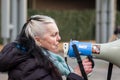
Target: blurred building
point(64, 4)
point(61, 4)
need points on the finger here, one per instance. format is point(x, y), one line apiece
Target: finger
point(85, 60)
point(87, 64)
point(88, 70)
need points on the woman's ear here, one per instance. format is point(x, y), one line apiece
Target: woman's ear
point(38, 40)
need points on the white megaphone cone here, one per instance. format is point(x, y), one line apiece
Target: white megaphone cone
point(109, 52)
point(106, 51)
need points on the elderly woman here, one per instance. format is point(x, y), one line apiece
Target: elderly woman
point(32, 56)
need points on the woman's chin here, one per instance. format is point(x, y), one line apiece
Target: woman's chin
point(55, 51)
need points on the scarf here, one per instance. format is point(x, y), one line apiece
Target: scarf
point(59, 62)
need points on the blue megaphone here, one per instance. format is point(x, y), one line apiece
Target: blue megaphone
point(106, 51)
point(84, 48)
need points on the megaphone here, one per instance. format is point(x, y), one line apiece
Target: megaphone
point(106, 51)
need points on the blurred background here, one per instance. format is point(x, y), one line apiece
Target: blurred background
point(84, 20)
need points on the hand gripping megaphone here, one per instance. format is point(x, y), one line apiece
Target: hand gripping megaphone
point(107, 51)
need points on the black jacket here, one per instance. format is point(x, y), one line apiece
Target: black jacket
point(22, 66)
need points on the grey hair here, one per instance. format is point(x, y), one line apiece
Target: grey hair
point(36, 25)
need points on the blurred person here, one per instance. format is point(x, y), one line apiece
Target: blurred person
point(116, 34)
point(33, 55)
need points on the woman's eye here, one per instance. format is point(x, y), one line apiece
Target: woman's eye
point(54, 34)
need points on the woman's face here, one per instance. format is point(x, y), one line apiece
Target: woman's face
point(51, 38)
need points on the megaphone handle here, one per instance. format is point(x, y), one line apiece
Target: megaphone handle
point(91, 59)
point(79, 60)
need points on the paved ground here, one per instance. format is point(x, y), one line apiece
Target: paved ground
point(99, 72)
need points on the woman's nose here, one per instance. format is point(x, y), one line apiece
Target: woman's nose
point(58, 37)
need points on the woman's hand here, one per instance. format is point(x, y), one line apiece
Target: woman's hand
point(87, 66)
